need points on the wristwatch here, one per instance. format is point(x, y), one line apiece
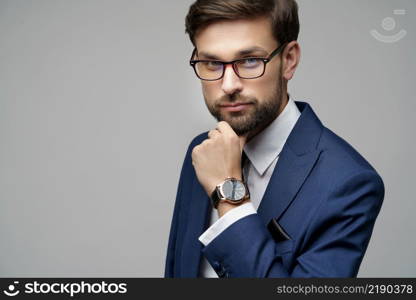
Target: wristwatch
point(231, 190)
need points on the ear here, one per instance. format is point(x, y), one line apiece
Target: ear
point(291, 58)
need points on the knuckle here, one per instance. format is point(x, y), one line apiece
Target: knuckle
point(234, 139)
point(195, 150)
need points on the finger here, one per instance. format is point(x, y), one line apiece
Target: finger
point(225, 128)
point(243, 141)
point(213, 133)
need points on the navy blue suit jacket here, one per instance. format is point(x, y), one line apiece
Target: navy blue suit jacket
point(324, 195)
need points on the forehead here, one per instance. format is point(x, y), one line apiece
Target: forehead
point(226, 38)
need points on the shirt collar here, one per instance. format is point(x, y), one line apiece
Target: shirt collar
point(263, 149)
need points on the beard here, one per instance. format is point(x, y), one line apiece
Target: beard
point(255, 117)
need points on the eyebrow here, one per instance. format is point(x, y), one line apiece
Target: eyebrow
point(239, 53)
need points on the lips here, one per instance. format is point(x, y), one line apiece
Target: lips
point(233, 107)
point(234, 104)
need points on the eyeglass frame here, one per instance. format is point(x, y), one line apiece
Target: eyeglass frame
point(265, 60)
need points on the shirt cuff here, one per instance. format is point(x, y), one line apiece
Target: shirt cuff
point(225, 221)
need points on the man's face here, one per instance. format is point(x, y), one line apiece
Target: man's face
point(263, 96)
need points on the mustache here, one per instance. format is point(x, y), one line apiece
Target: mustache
point(235, 98)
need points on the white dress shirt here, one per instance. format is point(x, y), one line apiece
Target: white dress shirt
point(262, 152)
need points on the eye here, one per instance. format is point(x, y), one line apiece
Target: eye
point(250, 62)
point(212, 65)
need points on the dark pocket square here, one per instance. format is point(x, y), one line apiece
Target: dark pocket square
point(277, 232)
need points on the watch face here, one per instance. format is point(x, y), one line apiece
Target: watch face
point(233, 190)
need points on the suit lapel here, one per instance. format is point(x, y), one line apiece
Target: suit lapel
point(288, 176)
point(295, 162)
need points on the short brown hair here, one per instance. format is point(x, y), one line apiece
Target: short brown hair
point(282, 13)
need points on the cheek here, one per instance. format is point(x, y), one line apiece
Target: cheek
point(261, 88)
point(210, 90)
point(272, 73)
point(266, 85)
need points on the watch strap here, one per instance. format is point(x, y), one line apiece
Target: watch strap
point(215, 198)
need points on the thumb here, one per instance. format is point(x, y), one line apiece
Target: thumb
point(243, 140)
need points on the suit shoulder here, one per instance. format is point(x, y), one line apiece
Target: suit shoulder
point(340, 154)
point(344, 168)
point(194, 142)
point(198, 139)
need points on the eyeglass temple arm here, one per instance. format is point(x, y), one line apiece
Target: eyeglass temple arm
point(192, 56)
point(277, 51)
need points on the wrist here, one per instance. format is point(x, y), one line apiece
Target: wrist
point(224, 207)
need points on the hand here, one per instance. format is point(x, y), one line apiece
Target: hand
point(218, 157)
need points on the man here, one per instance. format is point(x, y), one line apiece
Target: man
point(270, 192)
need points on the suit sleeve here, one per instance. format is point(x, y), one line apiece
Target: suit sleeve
point(170, 256)
point(334, 243)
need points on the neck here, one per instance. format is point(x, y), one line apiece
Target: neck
point(259, 129)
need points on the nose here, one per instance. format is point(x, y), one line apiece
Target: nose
point(231, 83)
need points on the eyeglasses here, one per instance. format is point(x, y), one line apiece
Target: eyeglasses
point(245, 68)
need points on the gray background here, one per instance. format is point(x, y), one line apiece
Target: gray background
point(98, 105)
